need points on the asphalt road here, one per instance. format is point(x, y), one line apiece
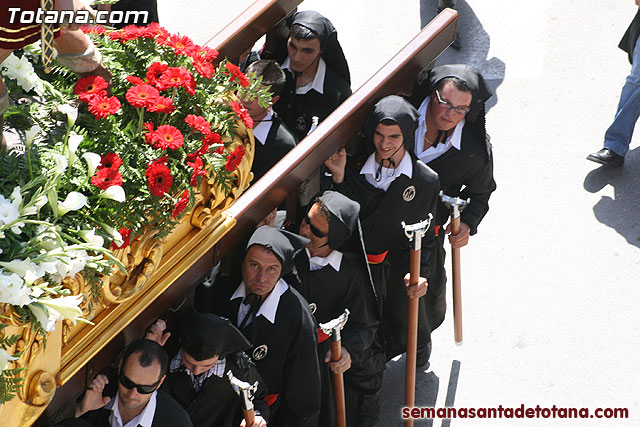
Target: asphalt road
point(551, 282)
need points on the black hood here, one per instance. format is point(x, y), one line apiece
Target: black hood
point(343, 218)
point(398, 110)
point(284, 244)
point(217, 332)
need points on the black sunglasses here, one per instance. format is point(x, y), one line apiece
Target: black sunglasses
point(142, 389)
point(316, 232)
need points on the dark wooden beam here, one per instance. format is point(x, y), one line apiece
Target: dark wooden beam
point(242, 33)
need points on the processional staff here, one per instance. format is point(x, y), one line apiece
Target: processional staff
point(414, 233)
point(246, 392)
point(333, 328)
point(456, 205)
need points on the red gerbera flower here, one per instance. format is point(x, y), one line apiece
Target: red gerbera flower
point(204, 68)
point(181, 205)
point(111, 161)
point(178, 76)
point(161, 104)
point(103, 106)
point(242, 113)
point(135, 80)
point(152, 30)
point(234, 159)
point(114, 35)
point(131, 32)
point(142, 95)
point(234, 72)
point(199, 123)
point(154, 72)
point(90, 86)
point(181, 44)
point(126, 236)
point(203, 53)
point(106, 177)
point(167, 137)
point(160, 179)
point(93, 29)
point(198, 170)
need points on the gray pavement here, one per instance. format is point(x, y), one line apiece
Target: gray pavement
point(551, 281)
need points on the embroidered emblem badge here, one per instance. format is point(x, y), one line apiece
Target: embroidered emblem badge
point(260, 352)
point(409, 193)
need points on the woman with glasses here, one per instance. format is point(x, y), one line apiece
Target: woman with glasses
point(451, 139)
point(392, 186)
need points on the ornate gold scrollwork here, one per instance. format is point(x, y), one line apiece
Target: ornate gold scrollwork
point(141, 259)
point(41, 388)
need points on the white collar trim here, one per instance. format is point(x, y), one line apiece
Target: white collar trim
point(269, 307)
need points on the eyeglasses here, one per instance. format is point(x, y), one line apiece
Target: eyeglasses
point(316, 232)
point(142, 389)
point(449, 107)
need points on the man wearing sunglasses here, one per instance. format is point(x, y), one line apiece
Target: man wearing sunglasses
point(138, 402)
point(334, 276)
point(451, 139)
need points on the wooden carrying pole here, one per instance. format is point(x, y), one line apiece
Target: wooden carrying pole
point(414, 233)
point(456, 205)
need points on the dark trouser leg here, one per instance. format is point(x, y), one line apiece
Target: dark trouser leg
point(436, 301)
point(446, 3)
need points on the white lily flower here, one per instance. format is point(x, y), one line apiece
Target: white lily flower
point(73, 142)
point(93, 161)
point(8, 211)
point(61, 163)
point(90, 236)
point(4, 359)
point(27, 270)
point(31, 134)
point(71, 112)
point(117, 237)
point(42, 314)
point(115, 192)
point(64, 307)
point(73, 202)
point(13, 290)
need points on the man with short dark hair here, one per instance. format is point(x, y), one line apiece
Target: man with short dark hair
point(277, 321)
point(138, 402)
point(273, 139)
point(318, 78)
point(209, 347)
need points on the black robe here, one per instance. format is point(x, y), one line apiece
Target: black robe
point(470, 167)
point(280, 141)
point(330, 292)
point(290, 367)
point(217, 404)
point(297, 111)
point(168, 414)
point(381, 214)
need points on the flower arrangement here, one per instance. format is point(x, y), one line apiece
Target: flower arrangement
point(102, 160)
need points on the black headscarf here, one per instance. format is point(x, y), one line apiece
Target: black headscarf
point(398, 110)
point(343, 218)
point(332, 53)
point(284, 244)
point(217, 332)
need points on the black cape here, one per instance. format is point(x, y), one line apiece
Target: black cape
point(280, 141)
point(290, 367)
point(628, 42)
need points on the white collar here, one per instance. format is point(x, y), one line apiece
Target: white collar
point(143, 419)
point(370, 168)
point(334, 259)
point(269, 307)
point(432, 153)
point(262, 128)
point(318, 81)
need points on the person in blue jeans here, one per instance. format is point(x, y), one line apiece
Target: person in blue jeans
point(618, 136)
